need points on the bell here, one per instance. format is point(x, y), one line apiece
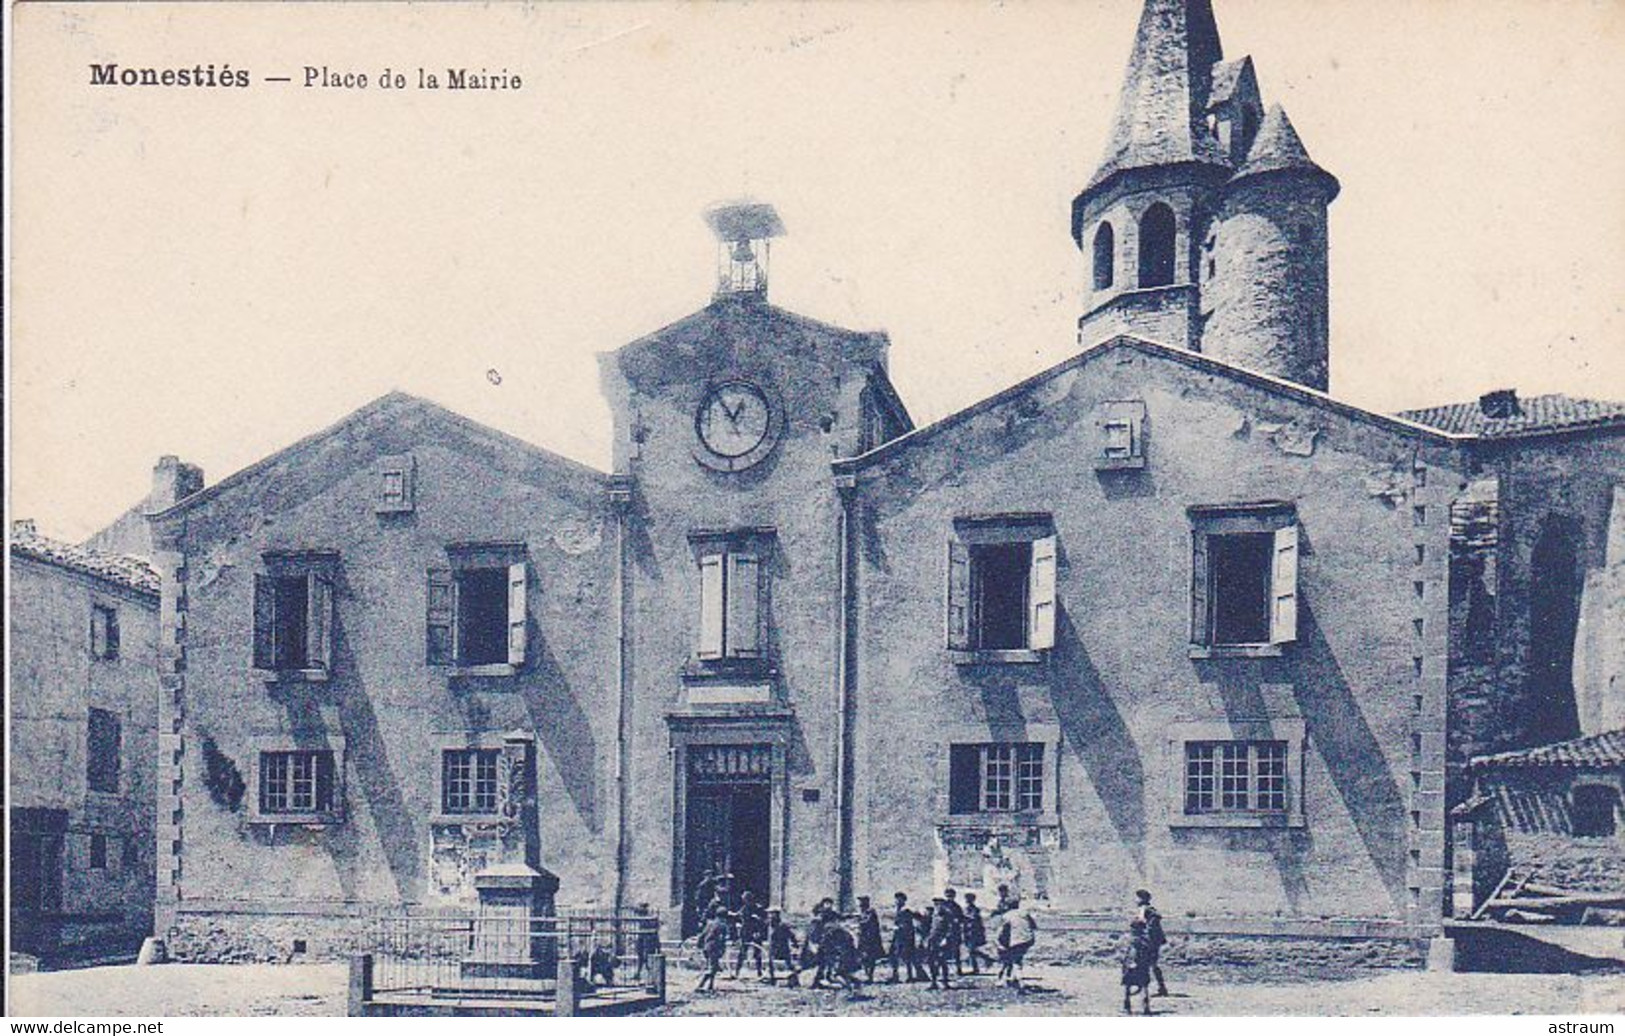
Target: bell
point(742, 252)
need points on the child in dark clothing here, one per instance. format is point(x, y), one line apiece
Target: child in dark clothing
point(975, 935)
point(781, 949)
point(1136, 962)
point(713, 943)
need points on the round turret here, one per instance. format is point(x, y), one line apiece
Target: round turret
point(1264, 261)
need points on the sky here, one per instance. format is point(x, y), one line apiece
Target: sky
point(216, 273)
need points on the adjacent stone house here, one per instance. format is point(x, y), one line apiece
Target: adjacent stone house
point(84, 696)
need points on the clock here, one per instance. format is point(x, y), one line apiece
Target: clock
point(737, 426)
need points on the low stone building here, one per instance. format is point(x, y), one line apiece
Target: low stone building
point(1550, 816)
point(84, 697)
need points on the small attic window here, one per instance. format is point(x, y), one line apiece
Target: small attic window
point(395, 488)
point(1122, 435)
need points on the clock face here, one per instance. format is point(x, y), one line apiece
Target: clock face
point(734, 420)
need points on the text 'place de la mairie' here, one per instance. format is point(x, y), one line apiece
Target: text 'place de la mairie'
point(1170, 614)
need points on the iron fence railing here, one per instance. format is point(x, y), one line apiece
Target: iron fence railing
point(451, 953)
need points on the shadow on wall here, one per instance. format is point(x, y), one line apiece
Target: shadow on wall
point(1091, 723)
point(1354, 758)
point(1240, 684)
point(563, 730)
point(368, 761)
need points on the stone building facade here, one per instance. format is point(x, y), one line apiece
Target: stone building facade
point(1167, 614)
point(84, 695)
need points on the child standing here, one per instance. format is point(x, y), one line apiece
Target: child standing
point(713, 943)
point(1137, 969)
point(975, 935)
point(781, 949)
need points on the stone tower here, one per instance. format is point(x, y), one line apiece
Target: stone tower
point(1205, 225)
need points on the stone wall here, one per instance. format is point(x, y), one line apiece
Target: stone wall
point(54, 682)
point(1264, 281)
point(382, 708)
point(1366, 675)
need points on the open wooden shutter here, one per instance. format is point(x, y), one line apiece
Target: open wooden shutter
point(958, 595)
point(442, 617)
point(319, 622)
point(518, 596)
point(1284, 587)
point(265, 652)
point(1041, 595)
point(711, 606)
point(744, 632)
point(1200, 625)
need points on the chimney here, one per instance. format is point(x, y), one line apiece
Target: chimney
point(1500, 404)
point(21, 527)
point(744, 233)
point(172, 481)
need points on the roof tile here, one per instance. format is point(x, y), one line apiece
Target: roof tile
point(116, 568)
point(1536, 414)
point(1605, 750)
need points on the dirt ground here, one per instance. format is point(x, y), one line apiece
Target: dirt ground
point(319, 989)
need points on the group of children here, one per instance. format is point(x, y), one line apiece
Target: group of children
point(932, 945)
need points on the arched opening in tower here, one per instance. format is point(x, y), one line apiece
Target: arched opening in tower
point(1157, 233)
point(1105, 256)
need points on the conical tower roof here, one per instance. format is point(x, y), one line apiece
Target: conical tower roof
point(1162, 108)
point(1278, 148)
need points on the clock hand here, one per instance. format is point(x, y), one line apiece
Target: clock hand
point(734, 416)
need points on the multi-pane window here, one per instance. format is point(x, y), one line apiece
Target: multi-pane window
point(1235, 777)
point(468, 780)
point(1003, 777)
point(296, 782)
point(1001, 590)
point(103, 632)
point(103, 750)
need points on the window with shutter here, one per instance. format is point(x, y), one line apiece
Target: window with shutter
point(477, 611)
point(319, 622)
point(293, 613)
point(743, 589)
point(1041, 595)
point(1284, 587)
point(958, 595)
point(442, 617)
point(711, 606)
point(1002, 590)
point(1200, 616)
point(518, 595)
point(1244, 579)
point(264, 622)
point(733, 599)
